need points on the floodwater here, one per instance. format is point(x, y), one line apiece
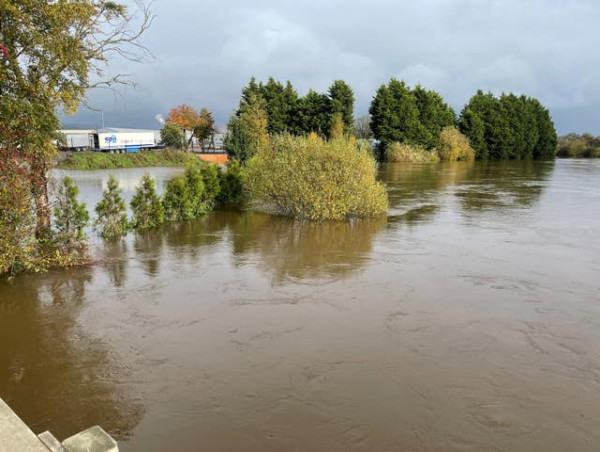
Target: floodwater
point(467, 320)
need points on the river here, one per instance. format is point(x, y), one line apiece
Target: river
point(467, 320)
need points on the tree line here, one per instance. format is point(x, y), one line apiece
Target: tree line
point(273, 108)
point(579, 146)
point(508, 127)
point(498, 127)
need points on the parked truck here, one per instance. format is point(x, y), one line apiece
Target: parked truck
point(77, 140)
point(109, 140)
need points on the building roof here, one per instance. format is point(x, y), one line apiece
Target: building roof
point(124, 130)
point(76, 131)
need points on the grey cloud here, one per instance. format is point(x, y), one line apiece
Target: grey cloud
point(205, 52)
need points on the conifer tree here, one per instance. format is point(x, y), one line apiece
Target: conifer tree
point(70, 218)
point(342, 102)
point(111, 218)
point(146, 206)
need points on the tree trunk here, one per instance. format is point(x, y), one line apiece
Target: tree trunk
point(39, 190)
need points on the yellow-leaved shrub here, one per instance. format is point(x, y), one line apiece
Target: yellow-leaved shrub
point(454, 146)
point(407, 153)
point(309, 178)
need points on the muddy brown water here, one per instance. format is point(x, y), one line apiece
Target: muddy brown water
point(467, 320)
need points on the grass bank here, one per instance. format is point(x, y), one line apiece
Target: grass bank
point(101, 160)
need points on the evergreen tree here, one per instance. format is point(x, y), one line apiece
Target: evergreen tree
point(70, 218)
point(509, 127)
point(146, 206)
point(434, 115)
point(171, 135)
point(314, 114)
point(248, 129)
point(546, 145)
point(471, 125)
point(212, 186)
point(111, 218)
point(290, 100)
point(184, 195)
point(253, 88)
point(232, 184)
point(273, 95)
point(342, 102)
point(395, 115)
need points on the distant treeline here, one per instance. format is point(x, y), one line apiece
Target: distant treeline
point(579, 146)
point(505, 127)
point(289, 112)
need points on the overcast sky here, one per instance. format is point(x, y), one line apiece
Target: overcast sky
point(205, 52)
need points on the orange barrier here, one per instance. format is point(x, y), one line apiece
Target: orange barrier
point(213, 158)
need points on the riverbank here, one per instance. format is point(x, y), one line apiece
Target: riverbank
point(101, 160)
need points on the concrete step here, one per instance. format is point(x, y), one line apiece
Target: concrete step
point(51, 442)
point(15, 436)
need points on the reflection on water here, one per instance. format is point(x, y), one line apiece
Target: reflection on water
point(283, 247)
point(498, 185)
point(148, 246)
point(52, 371)
point(467, 320)
point(287, 248)
point(416, 191)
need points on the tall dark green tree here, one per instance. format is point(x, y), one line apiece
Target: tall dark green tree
point(395, 115)
point(290, 100)
point(253, 88)
point(434, 115)
point(471, 124)
point(275, 105)
point(508, 127)
point(314, 114)
point(247, 130)
point(546, 145)
point(342, 102)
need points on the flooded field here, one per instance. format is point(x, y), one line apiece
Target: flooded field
point(467, 320)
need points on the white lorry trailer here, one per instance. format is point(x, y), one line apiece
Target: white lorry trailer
point(125, 140)
point(77, 140)
point(109, 140)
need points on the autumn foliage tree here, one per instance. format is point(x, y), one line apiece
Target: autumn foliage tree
point(186, 118)
point(200, 125)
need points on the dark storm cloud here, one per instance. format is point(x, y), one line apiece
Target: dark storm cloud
point(205, 52)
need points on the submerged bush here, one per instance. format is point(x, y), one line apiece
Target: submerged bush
point(406, 153)
point(112, 219)
point(70, 219)
point(454, 146)
point(146, 206)
point(232, 184)
point(309, 178)
point(184, 195)
point(212, 184)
